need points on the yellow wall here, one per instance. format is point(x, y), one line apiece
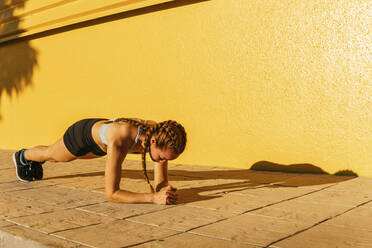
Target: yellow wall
point(282, 81)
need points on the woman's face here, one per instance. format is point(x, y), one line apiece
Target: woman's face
point(160, 155)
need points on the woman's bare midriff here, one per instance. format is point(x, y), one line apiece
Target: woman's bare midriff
point(96, 134)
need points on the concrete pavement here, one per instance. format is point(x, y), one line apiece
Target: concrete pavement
point(218, 207)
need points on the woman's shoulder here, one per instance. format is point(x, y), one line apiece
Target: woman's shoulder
point(119, 131)
point(122, 127)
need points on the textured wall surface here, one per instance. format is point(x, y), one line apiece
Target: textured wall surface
point(282, 81)
point(19, 18)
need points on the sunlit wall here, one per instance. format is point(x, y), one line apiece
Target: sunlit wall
point(282, 81)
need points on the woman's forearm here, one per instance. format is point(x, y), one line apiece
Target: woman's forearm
point(160, 175)
point(124, 196)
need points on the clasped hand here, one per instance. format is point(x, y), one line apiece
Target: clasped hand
point(167, 195)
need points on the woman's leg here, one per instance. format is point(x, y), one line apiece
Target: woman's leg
point(54, 153)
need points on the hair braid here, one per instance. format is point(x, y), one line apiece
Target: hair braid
point(146, 128)
point(145, 172)
point(168, 134)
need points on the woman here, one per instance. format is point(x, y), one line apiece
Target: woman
point(92, 138)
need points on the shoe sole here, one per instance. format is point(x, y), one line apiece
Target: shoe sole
point(15, 163)
point(38, 178)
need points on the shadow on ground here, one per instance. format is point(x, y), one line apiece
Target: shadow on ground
point(217, 182)
point(297, 168)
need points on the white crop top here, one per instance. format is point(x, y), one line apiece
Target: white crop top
point(102, 134)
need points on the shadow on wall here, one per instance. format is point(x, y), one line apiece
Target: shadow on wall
point(17, 59)
point(297, 168)
point(114, 17)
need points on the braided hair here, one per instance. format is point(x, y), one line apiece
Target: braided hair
point(168, 134)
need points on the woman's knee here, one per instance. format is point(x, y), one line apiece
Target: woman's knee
point(59, 153)
point(54, 156)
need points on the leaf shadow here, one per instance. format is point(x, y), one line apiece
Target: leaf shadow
point(18, 60)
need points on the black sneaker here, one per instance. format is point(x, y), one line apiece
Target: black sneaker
point(37, 170)
point(23, 172)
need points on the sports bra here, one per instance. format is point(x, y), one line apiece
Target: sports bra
point(102, 134)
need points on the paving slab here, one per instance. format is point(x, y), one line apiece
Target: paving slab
point(217, 207)
point(81, 165)
point(11, 207)
point(206, 173)
point(88, 184)
point(7, 175)
point(346, 198)
point(358, 184)
point(21, 237)
point(327, 236)
point(251, 229)
point(357, 218)
point(62, 173)
point(233, 203)
point(194, 195)
point(199, 190)
point(134, 185)
point(368, 205)
point(77, 182)
point(61, 196)
point(122, 211)
point(87, 168)
point(18, 185)
point(313, 180)
point(181, 218)
point(60, 220)
point(216, 186)
point(119, 233)
point(274, 193)
point(4, 223)
point(307, 213)
point(192, 240)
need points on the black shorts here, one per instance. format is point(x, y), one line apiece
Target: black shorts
point(79, 140)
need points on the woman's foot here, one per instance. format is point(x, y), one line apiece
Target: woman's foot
point(27, 170)
point(23, 170)
point(37, 170)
